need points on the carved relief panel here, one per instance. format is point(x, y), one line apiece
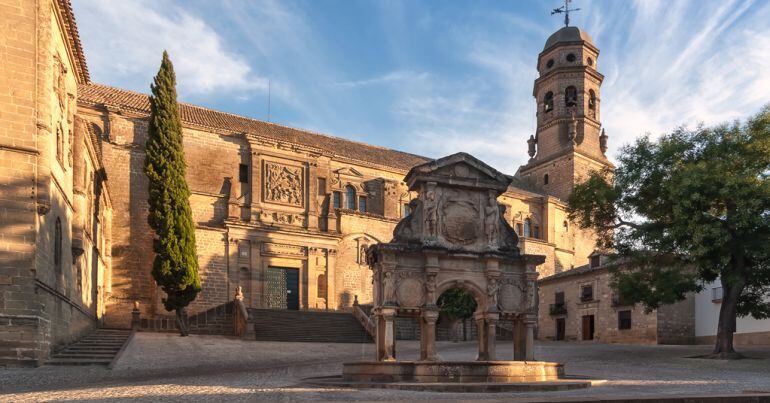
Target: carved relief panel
point(283, 184)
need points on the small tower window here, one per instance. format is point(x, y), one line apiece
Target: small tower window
point(549, 64)
point(570, 96)
point(545, 179)
point(350, 197)
point(243, 173)
point(548, 101)
point(571, 57)
point(590, 61)
point(591, 100)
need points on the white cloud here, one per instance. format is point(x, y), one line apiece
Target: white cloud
point(399, 76)
point(124, 41)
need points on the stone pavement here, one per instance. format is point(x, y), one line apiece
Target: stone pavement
point(165, 367)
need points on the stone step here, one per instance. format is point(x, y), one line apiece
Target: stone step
point(78, 361)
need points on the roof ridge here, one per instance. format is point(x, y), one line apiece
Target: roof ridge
point(203, 108)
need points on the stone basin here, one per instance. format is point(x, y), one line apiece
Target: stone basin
point(452, 371)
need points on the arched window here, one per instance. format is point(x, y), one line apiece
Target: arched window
point(591, 100)
point(570, 96)
point(57, 248)
point(527, 228)
point(548, 101)
point(565, 224)
point(350, 197)
point(545, 179)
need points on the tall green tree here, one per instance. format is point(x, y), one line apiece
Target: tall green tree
point(685, 210)
point(175, 268)
point(456, 304)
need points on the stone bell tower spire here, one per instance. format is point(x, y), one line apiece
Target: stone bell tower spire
point(569, 141)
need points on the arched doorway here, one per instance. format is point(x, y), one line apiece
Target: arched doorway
point(455, 323)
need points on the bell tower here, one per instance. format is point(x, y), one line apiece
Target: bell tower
point(569, 141)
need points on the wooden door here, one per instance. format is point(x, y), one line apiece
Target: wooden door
point(588, 327)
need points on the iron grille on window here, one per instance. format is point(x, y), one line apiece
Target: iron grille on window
point(624, 320)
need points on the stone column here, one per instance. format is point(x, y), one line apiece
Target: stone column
point(490, 334)
point(386, 334)
point(529, 342)
point(428, 335)
point(483, 340)
point(519, 340)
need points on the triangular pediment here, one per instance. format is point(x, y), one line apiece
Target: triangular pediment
point(349, 172)
point(462, 169)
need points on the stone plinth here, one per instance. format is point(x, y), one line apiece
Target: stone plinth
point(452, 371)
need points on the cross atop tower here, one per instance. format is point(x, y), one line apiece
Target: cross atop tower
point(565, 10)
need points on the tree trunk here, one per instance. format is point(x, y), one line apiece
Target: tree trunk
point(181, 318)
point(454, 329)
point(728, 313)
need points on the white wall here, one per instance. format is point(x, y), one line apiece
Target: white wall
point(707, 316)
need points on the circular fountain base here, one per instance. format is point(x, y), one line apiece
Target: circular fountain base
point(455, 376)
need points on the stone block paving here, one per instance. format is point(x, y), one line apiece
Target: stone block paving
point(165, 367)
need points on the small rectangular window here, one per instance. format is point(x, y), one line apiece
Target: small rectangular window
point(519, 229)
point(536, 232)
point(716, 294)
point(337, 199)
point(243, 173)
point(243, 250)
point(586, 293)
point(362, 204)
point(595, 261)
point(321, 186)
point(559, 298)
point(624, 320)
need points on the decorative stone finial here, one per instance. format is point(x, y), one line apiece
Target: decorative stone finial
point(603, 142)
point(532, 146)
point(136, 305)
point(239, 293)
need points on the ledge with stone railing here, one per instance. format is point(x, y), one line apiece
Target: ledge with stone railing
point(363, 318)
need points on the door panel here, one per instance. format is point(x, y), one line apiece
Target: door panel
point(292, 289)
point(282, 288)
point(560, 329)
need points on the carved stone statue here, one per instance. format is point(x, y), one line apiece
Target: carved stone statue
point(492, 288)
point(430, 208)
point(491, 221)
point(239, 293)
point(603, 142)
point(390, 287)
point(572, 126)
point(430, 287)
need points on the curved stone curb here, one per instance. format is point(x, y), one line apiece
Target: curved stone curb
point(469, 387)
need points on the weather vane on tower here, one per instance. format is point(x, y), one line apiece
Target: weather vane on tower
point(564, 9)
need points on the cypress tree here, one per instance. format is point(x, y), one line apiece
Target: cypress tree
point(175, 268)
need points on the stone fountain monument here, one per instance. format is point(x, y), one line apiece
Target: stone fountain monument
point(455, 237)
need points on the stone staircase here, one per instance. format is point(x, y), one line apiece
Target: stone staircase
point(97, 348)
point(307, 326)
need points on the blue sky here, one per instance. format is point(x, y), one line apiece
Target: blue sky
point(436, 77)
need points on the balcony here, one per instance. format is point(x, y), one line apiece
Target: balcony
point(558, 309)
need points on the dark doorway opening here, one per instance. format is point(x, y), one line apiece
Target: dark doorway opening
point(588, 327)
point(560, 329)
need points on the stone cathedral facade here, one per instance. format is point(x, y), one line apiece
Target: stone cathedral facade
point(284, 213)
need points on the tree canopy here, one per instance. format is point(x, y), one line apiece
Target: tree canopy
point(175, 267)
point(686, 209)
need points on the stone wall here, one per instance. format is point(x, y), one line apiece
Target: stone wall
point(676, 322)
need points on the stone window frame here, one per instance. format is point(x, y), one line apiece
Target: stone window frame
point(587, 297)
point(336, 199)
point(244, 250)
point(351, 197)
point(625, 321)
point(548, 102)
point(363, 204)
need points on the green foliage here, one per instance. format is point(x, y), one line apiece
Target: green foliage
point(456, 303)
point(685, 209)
point(175, 267)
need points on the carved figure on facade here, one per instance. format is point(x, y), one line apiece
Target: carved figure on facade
point(60, 82)
point(283, 184)
point(492, 221)
point(431, 210)
point(389, 281)
point(492, 289)
point(572, 127)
